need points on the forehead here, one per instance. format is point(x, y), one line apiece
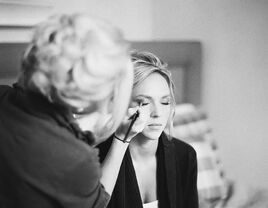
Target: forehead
point(154, 85)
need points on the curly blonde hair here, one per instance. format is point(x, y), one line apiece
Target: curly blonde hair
point(79, 61)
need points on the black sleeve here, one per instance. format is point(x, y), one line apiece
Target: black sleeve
point(104, 148)
point(191, 193)
point(187, 169)
point(82, 187)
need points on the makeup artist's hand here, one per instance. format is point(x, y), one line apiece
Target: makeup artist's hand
point(137, 127)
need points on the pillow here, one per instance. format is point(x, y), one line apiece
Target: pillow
point(191, 125)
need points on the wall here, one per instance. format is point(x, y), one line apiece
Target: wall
point(133, 17)
point(17, 17)
point(234, 34)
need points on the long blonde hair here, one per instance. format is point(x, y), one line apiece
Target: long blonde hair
point(79, 61)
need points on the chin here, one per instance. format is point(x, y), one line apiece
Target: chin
point(152, 135)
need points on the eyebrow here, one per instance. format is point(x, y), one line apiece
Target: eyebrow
point(149, 97)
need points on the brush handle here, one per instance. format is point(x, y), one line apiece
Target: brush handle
point(133, 119)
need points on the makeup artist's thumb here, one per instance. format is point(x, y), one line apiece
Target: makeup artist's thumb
point(122, 129)
point(131, 111)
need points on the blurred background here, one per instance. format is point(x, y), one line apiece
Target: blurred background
point(233, 35)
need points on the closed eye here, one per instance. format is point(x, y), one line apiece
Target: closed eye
point(144, 103)
point(165, 103)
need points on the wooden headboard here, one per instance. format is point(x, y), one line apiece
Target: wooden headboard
point(183, 58)
point(10, 60)
point(180, 55)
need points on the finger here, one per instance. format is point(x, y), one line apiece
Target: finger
point(142, 120)
point(144, 114)
point(132, 111)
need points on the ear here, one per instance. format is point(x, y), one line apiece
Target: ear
point(91, 108)
point(77, 106)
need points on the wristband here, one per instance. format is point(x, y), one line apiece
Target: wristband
point(124, 141)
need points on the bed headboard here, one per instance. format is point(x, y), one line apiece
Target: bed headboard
point(10, 59)
point(183, 58)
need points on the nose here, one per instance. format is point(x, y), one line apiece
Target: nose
point(155, 111)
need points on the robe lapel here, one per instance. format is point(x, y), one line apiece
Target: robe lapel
point(170, 168)
point(126, 191)
point(132, 192)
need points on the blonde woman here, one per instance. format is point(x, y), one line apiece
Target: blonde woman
point(74, 65)
point(157, 171)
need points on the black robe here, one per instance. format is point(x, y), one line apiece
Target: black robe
point(45, 159)
point(176, 176)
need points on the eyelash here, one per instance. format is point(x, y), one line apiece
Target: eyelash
point(144, 103)
point(147, 103)
point(166, 103)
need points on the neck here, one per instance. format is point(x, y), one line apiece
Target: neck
point(142, 148)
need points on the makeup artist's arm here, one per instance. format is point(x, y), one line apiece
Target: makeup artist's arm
point(112, 162)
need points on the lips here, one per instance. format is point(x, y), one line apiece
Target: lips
point(155, 124)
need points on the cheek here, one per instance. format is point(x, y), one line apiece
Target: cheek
point(144, 113)
point(166, 113)
point(166, 117)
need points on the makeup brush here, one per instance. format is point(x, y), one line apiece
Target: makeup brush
point(133, 118)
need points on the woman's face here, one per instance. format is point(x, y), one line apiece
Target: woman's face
point(153, 94)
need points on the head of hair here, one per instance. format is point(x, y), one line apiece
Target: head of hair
point(145, 64)
point(79, 62)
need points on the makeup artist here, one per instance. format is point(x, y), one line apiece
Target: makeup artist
point(158, 171)
point(74, 66)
